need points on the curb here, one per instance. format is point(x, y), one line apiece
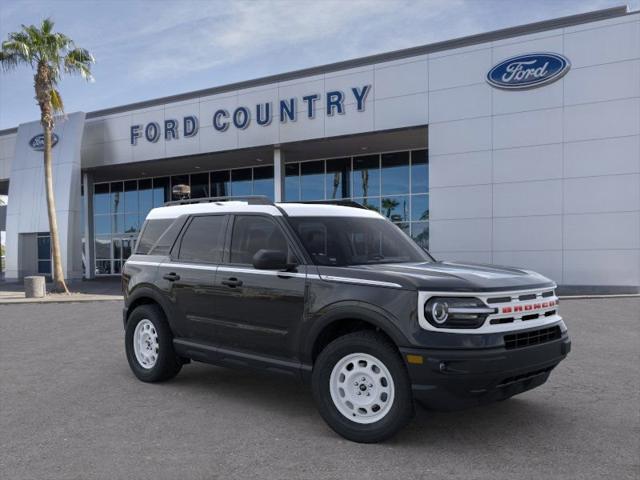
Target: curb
point(101, 298)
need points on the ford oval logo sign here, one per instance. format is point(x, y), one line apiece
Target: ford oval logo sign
point(37, 142)
point(528, 71)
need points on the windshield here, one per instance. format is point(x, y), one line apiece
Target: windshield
point(343, 241)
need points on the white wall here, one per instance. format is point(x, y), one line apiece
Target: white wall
point(27, 207)
point(7, 151)
point(547, 178)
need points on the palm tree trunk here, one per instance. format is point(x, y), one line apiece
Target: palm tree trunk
point(59, 284)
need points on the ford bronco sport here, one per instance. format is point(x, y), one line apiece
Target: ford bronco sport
point(339, 297)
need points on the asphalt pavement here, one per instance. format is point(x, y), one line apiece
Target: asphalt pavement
point(71, 409)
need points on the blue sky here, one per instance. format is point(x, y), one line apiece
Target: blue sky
point(149, 49)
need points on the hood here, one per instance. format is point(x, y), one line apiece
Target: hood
point(453, 276)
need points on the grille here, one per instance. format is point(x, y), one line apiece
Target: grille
point(533, 337)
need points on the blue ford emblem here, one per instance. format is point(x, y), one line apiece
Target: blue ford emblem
point(37, 142)
point(528, 71)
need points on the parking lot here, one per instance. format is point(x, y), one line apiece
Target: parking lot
point(70, 408)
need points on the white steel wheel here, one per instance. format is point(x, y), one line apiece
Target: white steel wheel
point(362, 388)
point(145, 344)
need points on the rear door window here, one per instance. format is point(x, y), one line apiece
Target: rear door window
point(252, 233)
point(203, 240)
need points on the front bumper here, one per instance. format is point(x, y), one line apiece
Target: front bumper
point(450, 379)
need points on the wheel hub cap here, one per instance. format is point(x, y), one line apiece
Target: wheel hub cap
point(145, 344)
point(361, 388)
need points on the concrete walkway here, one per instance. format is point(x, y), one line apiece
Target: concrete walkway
point(81, 291)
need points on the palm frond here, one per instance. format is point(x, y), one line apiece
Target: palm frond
point(79, 61)
point(9, 61)
point(56, 101)
point(47, 26)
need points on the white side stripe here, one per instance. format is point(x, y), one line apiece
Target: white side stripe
point(140, 262)
point(360, 281)
point(193, 266)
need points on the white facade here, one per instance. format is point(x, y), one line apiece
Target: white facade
point(546, 178)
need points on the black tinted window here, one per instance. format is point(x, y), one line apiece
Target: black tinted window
point(166, 240)
point(203, 240)
point(253, 233)
point(152, 231)
point(341, 241)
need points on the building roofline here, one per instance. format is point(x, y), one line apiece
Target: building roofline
point(494, 35)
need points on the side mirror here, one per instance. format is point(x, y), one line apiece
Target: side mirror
point(270, 260)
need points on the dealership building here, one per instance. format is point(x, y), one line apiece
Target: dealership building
point(515, 147)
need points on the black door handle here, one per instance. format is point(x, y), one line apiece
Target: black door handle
point(172, 277)
point(232, 282)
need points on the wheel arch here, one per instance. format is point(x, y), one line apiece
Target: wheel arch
point(343, 319)
point(144, 295)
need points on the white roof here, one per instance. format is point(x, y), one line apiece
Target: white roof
point(325, 210)
point(292, 209)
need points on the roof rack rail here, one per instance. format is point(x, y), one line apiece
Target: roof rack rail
point(342, 203)
point(250, 199)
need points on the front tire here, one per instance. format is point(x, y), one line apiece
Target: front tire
point(149, 345)
point(362, 388)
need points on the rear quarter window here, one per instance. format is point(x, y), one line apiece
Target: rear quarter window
point(152, 231)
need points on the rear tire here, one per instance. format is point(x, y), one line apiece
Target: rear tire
point(361, 387)
point(149, 345)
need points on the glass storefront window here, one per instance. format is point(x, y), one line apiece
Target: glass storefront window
point(419, 171)
point(101, 198)
point(220, 184)
point(102, 224)
point(241, 182)
point(131, 203)
point(338, 178)
point(160, 191)
point(420, 207)
point(131, 223)
point(103, 247)
point(366, 176)
point(312, 180)
point(395, 173)
point(117, 197)
point(292, 182)
point(263, 181)
point(103, 267)
point(145, 196)
point(199, 185)
point(396, 208)
point(117, 223)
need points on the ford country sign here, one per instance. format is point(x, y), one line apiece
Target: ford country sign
point(37, 142)
point(528, 71)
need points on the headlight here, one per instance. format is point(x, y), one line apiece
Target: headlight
point(453, 312)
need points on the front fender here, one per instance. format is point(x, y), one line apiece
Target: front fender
point(352, 310)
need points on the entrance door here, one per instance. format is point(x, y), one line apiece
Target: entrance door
point(257, 310)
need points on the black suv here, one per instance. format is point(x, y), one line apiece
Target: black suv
point(341, 298)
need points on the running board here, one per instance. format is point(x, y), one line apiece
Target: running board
point(232, 358)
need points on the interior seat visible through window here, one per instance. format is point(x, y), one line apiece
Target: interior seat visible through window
point(252, 233)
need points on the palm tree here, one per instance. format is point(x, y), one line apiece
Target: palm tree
point(50, 55)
